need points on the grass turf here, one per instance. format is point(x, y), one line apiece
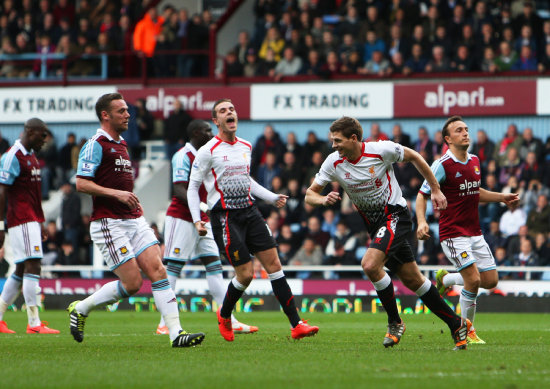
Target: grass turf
point(120, 350)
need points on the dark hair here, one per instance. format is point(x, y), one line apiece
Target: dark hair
point(348, 126)
point(104, 103)
point(445, 130)
point(195, 125)
point(34, 123)
point(214, 115)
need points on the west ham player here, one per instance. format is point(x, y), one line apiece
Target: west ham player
point(182, 242)
point(21, 183)
point(118, 227)
point(364, 170)
point(459, 174)
point(223, 165)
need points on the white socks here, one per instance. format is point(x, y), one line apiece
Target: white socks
point(451, 279)
point(468, 304)
point(30, 287)
point(167, 305)
point(107, 294)
point(11, 290)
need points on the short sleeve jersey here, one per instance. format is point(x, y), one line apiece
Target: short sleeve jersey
point(20, 171)
point(107, 163)
point(460, 183)
point(369, 181)
point(224, 168)
point(181, 170)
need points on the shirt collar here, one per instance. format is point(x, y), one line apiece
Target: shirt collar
point(193, 149)
point(468, 156)
point(20, 146)
point(106, 135)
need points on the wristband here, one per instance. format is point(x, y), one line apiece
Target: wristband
point(203, 207)
point(2, 227)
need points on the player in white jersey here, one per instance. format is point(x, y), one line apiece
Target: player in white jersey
point(182, 241)
point(223, 165)
point(364, 170)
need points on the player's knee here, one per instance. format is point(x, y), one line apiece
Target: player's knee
point(489, 284)
point(370, 268)
point(132, 286)
point(472, 284)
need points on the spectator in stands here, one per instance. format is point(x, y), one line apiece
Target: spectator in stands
point(463, 61)
point(487, 39)
point(252, 65)
point(513, 242)
point(266, 65)
point(507, 57)
point(527, 257)
point(64, 165)
point(488, 63)
point(350, 24)
point(502, 259)
point(146, 34)
point(376, 23)
point(373, 43)
point(312, 145)
point(511, 140)
point(243, 46)
point(331, 66)
point(313, 65)
point(417, 62)
point(480, 17)
point(289, 65)
point(468, 38)
point(52, 245)
point(397, 65)
point(538, 219)
point(534, 189)
point(268, 170)
point(196, 65)
point(441, 39)
point(542, 248)
point(290, 169)
point(430, 23)
point(457, 22)
point(233, 68)
point(314, 165)
point(341, 249)
point(175, 129)
point(376, 133)
point(310, 254)
point(293, 146)
point(494, 237)
point(42, 67)
point(512, 220)
point(510, 167)
point(270, 141)
point(527, 17)
point(397, 43)
point(424, 144)
point(295, 203)
point(272, 41)
point(348, 46)
point(484, 148)
point(378, 65)
point(490, 212)
point(418, 37)
point(438, 63)
point(145, 120)
point(398, 136)
point(329, 222)
point(530, 144)
point(314, 231)
point(530, 171)
point(526, 60)
point(544, 63)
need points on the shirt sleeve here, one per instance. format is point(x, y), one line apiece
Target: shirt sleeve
point(89, 159)
point(201, 165)
point(391, 152)
point(181, 167)
point(439, 173)
point(9, 169)
point(326, 173)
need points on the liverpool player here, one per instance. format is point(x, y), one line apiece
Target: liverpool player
point(223, 165)
point(364, 170)
point(182, 241)
point(21, 183)
point(459, 175)
point(118, 228)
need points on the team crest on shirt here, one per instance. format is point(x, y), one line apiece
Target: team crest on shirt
point(476, 170)
point(371, 171)
point(236, 255)
point(177, 250)
point(36, 249)
point(464, 255)
point(348, 176)
point(123, 250)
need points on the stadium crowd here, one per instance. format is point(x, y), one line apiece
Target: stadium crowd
point(323, 37)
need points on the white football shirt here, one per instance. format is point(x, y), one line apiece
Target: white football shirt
point(224, 169)
point(369, 181)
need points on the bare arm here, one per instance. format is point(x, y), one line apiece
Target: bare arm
point(438, 198)
point(314, 197)
point(180, 191)
point(486, 196)
point(3, 196)
point(89, 187)
point(423, 229)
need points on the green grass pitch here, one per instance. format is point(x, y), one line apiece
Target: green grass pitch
point(121, 351)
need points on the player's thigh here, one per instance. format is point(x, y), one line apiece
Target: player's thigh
point(130, 275)
point(489, 279)
point(458, 251)
point(258, 235)
point(112, 238)
point(483, 255)
point(150, 263)
point(230, 234)
point(26, 242)
point(269, 260)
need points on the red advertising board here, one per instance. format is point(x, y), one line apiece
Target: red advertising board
point(197, 101)
point(433, 99)
point(70, 286)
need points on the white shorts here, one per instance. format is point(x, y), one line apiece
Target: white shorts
point(120, 240)
point(182, 242)
point(463, 251)
point(26, 241)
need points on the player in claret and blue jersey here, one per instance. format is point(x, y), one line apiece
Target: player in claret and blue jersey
point(459, 175)
point(21, 183)
point(118, 227)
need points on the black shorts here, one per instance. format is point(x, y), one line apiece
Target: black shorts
point(392, 236)
point(241, 232)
